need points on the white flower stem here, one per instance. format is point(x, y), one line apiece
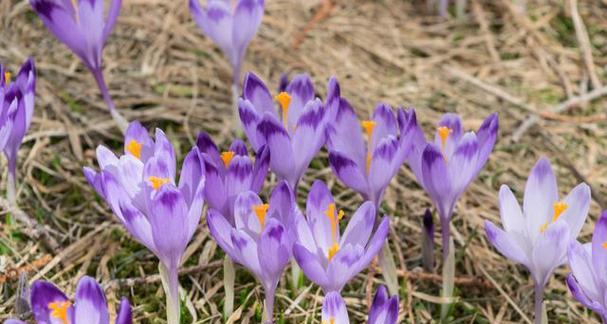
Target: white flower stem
point(539, 299)
point(11, 188)
point(228, 286)
point(170, 283)
point(295, 275)
point(120, 121)
point(448, 279)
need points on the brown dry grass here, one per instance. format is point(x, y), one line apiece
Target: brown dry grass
point(162, 70)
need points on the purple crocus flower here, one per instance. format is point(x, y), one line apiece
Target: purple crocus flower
point(331, 259)
point(538, 235)
point(16, 111)
point(367, 167)
point(261, 238)
point(294, 136)
point(51, 306)
point(140, 189)
point(334, 309)
point(231, 173)
point(232, 29)
point(588, 264)
point(384, 309)
point(82, 26)
point(445, 166)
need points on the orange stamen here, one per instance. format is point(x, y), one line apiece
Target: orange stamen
point(134, 148)
point(7, 78)
point(261, 211)
point(227, 157)
point(284, 99)
point(558, 207)
point(368, 126)
point(59, 310)
point(158, 182)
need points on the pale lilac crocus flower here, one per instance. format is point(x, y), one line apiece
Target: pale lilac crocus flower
point(84, 28)
point(295, 135)
point(538, 235)
point(261, 238)
point(51, 306)
point(588, 263)
point(384, 309)
point(230, 173)
point(16, 112)
point(231, 28)
point(141, 190)
point(367, 166)
point(446, 165)
point(327, 257)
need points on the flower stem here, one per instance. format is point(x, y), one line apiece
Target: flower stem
point(228, 286)
point(120, 121)
point(170, 283)
point(269, 305)
point(539, 298)
point(445, 236)
point(235, 96)
point(11, 188)
point(448, 278)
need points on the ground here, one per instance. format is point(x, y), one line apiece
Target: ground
point(164, 72)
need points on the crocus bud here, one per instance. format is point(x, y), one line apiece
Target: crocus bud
point(428, 241)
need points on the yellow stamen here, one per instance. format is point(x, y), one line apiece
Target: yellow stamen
point(331, 321)
point(158, 182)
point(284, 99)
point(7, 78)
point(443, 133)
point(59, 310)
point(333, 250)
point(260, 212)
point(226, 157)
point(368, 126)
point(559, 207)
point(604, 245)
point(134, 148)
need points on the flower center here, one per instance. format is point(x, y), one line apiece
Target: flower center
point(284, 99)
point(158, 182)
point(59, 310)
point(227, 157)
point(134, 148)
point(261, 211)
point(334, 218)
point(7, 78)
point(604, 245)
point(368, 126)
point(331, 321)
point(558, 208)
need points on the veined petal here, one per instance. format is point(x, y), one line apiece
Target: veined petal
point(216, 22)
point(550, 251)
point(599, 252)
point(125, 314)
point(239, 177)
point(245, 249)
point(378, 305)
point(487, 134)
point(582, 268)
point(105, 157)
point(407, 120)
point(541, 192)
point(91, 22)
point(192, 175)
point(90, 305)
point(220, 230)
point(256, 92)
point(282, 204)
point(375, 244)
point(239, 147)
point(309, 135)
point(578, 202)
point(260, 169)
point(274, 250)
point(350, 173)
point(437, 181)
point(301, 90)
point(360, 226)
point(206, 146)
point(305, 238)
point(319, 199)
point(247, 15)
point(385, 123)
point(454, 123)
point(580, 295)
point(311, 265)
point(344, 133)
point(94, 180)
point(510, 211)
point(42, 294)
point(381, 169)
point(214, 190)
point(344, 266)
point(250, 118)
point(168, 214)
point(462, 164)
point(506, 244)
point(112, 17)
point(244, 215)
point(334, 309)
point(163, 149)
point(282, 160)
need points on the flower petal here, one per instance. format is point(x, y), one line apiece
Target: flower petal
point(250, 119)
point(578, 204)
point(385, 123)
point(90, 305)
point(260, 170)
point(216, 22)
point(487, 134)
point(246, 249)
point(550, 251)
point(206, 146)
point(360, 226)
point(244, 215)
point(344, 134)
point(248, 14)
point(541, 192)
point(462, 164)
point(220, 230)
point(311, 266)
point(168, 214)
point(274, 249)
point(137, 134)
point(334, 309)
point(301, 90)
point(580, 296)
point(348, 172)
point(309, 136)
point(510, 211)
point(437, 181)
point(125, 314)
point(42, 294)
point(506, 244)
point(582, 268)
point(319, 199)
point(257, 93)
point(599, 252)
point(282, 160)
